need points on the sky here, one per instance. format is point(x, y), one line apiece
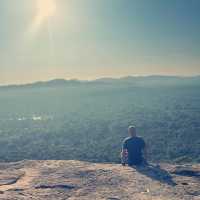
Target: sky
point(89, 39)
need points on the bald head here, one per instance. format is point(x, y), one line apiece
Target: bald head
point(132, 131)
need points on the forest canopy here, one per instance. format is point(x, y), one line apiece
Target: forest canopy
point(88, 121)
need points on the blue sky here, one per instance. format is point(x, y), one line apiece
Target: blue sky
point(88, 39)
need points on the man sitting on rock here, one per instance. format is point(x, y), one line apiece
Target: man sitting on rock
point(133, 149)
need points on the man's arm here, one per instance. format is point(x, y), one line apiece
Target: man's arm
point(124, 153)
point(145, 153)
point(124, 156)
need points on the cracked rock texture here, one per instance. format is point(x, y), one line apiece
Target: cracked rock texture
point(76, 180)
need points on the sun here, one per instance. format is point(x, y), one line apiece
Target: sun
point(45, 9)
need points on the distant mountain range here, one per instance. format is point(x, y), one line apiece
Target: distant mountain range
point(153, 80)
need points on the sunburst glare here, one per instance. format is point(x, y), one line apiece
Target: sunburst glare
point(45, 10)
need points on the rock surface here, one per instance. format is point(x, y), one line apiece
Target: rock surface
point(75, 180)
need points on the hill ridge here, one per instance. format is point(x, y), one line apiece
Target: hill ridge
point(62, 81)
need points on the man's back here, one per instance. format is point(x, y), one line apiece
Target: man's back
point(134, 146)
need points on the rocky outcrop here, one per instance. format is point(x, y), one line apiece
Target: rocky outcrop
point(75, 180)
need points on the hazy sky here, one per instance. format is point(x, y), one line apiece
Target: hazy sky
point(86, 39)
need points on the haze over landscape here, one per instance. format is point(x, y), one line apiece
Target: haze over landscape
point(43, 40)
point(77, 77)
point(88, 69)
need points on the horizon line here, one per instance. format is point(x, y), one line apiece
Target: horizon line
point(96, 79)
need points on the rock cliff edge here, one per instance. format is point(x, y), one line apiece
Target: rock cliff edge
point(76, 180)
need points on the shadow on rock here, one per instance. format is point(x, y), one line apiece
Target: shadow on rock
point(184, 171)
point(156, 173)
